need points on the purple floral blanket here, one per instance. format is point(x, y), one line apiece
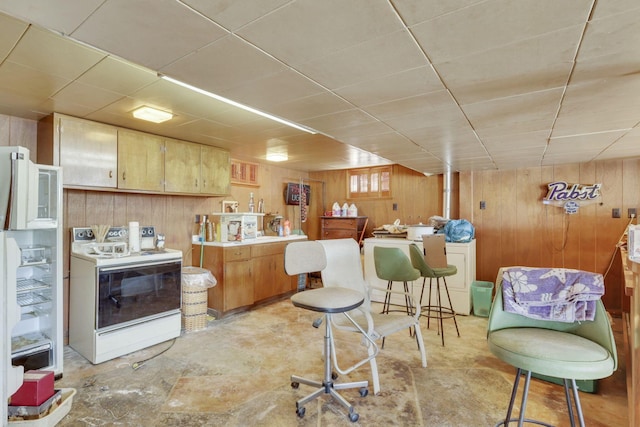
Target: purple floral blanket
point(557, 294)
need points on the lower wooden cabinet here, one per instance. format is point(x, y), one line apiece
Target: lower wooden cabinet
point(334, 227)
point(245, 275)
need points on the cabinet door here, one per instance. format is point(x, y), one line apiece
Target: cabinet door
point(182, 167)
point(238, 287)
point(140, 161)
point(215, 171)
point(265, 285)
point(88, 152)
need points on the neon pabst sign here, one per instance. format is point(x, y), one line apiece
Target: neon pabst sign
point(571, 197)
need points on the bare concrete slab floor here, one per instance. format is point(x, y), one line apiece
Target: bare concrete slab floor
point(236, 373)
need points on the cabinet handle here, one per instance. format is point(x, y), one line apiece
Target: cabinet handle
point(196, 182)
point(110, 174)
point(124, 176)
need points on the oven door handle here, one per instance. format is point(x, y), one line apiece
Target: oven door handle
point(139, 265)
point(114, 300)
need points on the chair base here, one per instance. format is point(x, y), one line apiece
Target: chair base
point(521, 420)
point(328, 386)
point(440, 311)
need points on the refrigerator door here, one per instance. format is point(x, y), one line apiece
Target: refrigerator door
point(11, 376)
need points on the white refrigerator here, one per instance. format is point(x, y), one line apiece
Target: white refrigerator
point(30, 270)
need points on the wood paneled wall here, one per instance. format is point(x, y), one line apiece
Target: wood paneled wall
point(417, 196)
point(516, 228)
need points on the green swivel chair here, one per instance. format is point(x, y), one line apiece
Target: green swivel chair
point(437, 311)
point(583, 350)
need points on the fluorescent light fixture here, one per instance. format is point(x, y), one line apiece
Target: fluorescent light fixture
point(277, 157)
point(151, 114)
point(237, 104)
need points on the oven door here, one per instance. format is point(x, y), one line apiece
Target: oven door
point(132, 293)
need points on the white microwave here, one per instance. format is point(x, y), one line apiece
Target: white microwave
point(29, 195)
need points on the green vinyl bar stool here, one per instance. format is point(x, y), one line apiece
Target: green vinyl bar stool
point(437, 310)
point(393, 265)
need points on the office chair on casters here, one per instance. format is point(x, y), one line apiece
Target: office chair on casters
point(441, 311)
point(344, 269)
point(583, 350)
point(307, 257)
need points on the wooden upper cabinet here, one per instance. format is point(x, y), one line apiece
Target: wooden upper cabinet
point(182, 167)
point(88, 151)
point(95, 155)
point(215, 171)
point(140, 161)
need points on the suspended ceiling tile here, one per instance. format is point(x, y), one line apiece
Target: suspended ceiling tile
point(20, 80)
point(307, 29)
point(608, 8)
point(280, 87)
point(517, 114)
point(308, 107)
point(43, 50)
point(372, 59)
point(119, 76)
point(524, 141)
point(129, 30)
point(496, 23)
point(531, 65)
point(233, 15)
point(414, 11)
point(363, 129)
point(10, 32)
point(618, 34)
point(626, 146)
point(63, 16)
point(414, 105)
point(223, 65)
point(387, 88)
point(90, 96)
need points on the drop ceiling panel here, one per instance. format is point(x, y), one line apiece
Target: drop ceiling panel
point(233, 15)
point(390, 87)
point(530, 65)
point(43, 50)
point(321, 104)
point(10, 32)
point(414, 11)
point(118, 76)
point(21, 80)
point(152, 33)
point(63, 16)
point(496, 23)
point(308, 29)
point(372, 59)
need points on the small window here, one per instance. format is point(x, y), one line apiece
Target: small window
point(369, 182)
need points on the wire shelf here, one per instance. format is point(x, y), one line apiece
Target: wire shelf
point(27, 285)
point(34, 297)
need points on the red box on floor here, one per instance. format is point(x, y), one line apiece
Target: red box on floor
point(36, 388)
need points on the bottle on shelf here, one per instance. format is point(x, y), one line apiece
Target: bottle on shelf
point(252, 205)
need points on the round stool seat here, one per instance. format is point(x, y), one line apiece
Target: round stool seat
point(328, 300)
point(553, 353)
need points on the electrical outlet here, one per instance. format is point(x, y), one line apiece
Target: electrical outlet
point(615, 213)
point(631, 212)
point(395, 206)
point(483, 204)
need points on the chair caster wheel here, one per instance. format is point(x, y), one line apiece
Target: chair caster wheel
point(300, 412)
point(353, 417)
point(295, 385)
point(364, 391)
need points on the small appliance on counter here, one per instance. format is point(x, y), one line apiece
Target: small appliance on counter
point(271, 224)
point(235, 227)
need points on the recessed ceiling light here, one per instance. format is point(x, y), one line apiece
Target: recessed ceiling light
point(151, 114)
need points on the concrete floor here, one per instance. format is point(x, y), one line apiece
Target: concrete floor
point(237, 371)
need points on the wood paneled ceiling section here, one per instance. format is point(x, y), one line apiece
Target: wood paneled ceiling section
point(431, 85)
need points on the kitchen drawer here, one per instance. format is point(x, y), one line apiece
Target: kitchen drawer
point(339, 234)
point(237, 253)
point(266, 249)
point(348, 223)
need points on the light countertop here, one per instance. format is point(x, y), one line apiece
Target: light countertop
point(256, 241)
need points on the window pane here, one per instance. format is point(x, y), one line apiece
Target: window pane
point(364, 187)
point(353, 183)
point(385, 181)
point(375, 179)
